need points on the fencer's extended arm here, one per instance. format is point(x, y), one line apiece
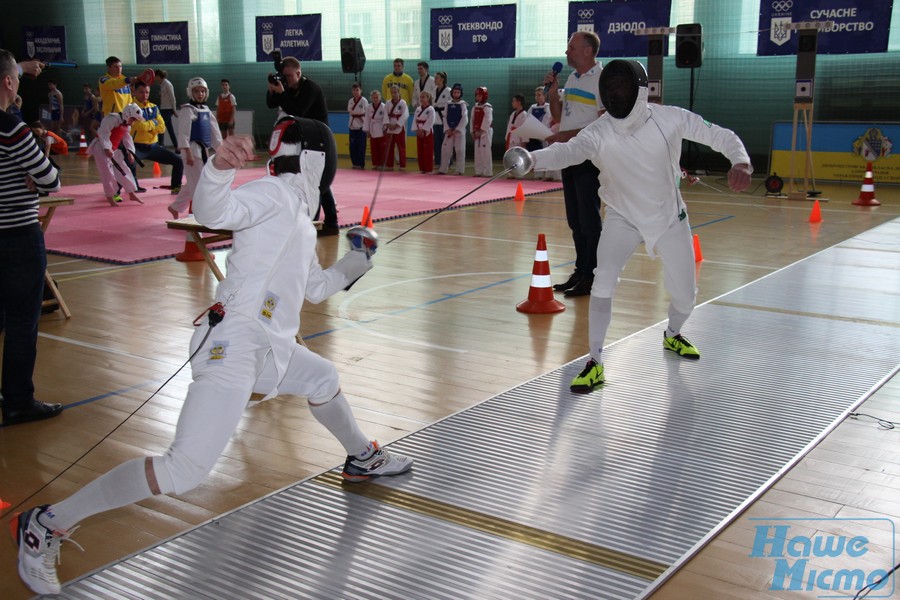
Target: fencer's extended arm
point(217, 206)
point(721, 140)
point(324, 283)
point(580, 148)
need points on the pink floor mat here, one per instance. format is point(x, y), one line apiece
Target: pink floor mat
point(133, 233)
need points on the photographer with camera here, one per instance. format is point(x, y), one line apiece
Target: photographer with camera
point(294, 94)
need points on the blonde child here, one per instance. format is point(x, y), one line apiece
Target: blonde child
point(423, 125)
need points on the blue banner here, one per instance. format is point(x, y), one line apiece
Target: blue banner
point(45, 42)
point(474, 32)
point(162, 43)
point(859, 27)
point(615, 22)
point(299, 36)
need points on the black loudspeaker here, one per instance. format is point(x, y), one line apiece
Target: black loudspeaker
point(688, 46)
point(353, 58)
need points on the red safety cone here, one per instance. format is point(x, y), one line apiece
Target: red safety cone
point(157, 172)
point(540, 295)
point(191, 252)
point(698, 252)
point(867, 191)
point(82, 147)
point(815, 215)
point(520, 194)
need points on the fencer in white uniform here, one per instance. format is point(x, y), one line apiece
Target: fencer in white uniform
point(637, 147)
point(248, 343)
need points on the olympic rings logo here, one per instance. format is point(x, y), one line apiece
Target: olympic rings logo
point(585, 14)
point(267, 26)
point(445, 19)
point(145, 32)
point(781, 6)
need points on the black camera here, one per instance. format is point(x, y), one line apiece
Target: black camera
point(276, 77)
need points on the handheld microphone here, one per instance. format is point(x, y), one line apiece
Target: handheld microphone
point(557, 67)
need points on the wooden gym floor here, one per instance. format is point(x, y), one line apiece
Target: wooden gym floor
point(449, 338)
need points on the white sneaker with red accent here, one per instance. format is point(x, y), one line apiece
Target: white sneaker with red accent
point(380, 463)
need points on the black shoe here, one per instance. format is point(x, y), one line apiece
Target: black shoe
point(328, 230)
point(35, 411)
point(582, 288)
point(141, 190)
point(574, 278)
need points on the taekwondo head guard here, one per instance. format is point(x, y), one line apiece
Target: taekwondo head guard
point(482, 93)
point(195, 83)
point(457, 86)
point(132, 111)
point(304, 151)
point(620, 86)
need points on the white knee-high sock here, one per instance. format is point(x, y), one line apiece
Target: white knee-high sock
point(124, 485)
point(599, 317)
point(337, 418)
point(676, 321)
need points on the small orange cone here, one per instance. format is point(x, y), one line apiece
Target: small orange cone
point(156, 170)
point(520, 194)
point(4, 504)
point(540, 295)
point(366, 220)
point(191, 252)
point(698, 253)
point(867, 191)
point(82, 146)
point(815, 216)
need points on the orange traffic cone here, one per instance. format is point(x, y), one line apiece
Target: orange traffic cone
point(367, 219)
point(156, 170)
point(191, 252)
point(4, 504)
point(540, 295)
point(520, 194)
point(82, 147)
point(867, 191)
point(815, 215)
point(698, 253)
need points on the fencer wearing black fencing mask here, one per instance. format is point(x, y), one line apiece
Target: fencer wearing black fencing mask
point(620, 86)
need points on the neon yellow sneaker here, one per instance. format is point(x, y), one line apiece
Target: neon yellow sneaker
point(589, 378)
point(681, 346)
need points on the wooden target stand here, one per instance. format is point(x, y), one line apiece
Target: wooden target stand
point(803, 112)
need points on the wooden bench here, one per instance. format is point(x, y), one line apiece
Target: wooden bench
point(51, 203)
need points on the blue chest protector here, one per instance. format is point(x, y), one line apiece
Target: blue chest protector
point(200, 129)
point(454, 114)
point(539, 112)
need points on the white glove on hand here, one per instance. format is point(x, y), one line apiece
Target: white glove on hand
point(363, 239)
point(519, 160)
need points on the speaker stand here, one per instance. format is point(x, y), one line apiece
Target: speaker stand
point(693, 151)
point(803, 112)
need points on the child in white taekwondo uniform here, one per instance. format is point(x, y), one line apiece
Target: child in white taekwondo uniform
point(246, 346)
point(111, 149)
point(198, 132)
point(637, 146)
point(482, 124)
point(456, 117)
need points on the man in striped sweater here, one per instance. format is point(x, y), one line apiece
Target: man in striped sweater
point(24, 171)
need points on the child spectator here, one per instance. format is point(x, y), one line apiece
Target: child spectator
point(395, 118)
point(198, 132)
point(456, 118)
point(56, 107)
point(226, 104)
point(112, 160)
point(516, 119)
point(423, 122)
point(48, 141)
point(482, 133)
point(356, 109)
point(441, 100)
point(374, 127)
